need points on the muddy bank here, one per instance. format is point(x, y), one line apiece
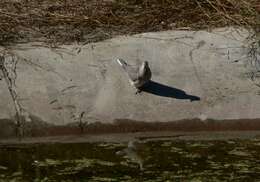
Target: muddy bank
point(36, 129)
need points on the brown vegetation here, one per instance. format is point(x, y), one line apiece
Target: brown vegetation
point(64, 21)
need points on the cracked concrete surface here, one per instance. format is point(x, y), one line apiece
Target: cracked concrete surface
point(196, 74)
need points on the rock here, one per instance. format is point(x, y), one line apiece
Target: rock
point(210, 68)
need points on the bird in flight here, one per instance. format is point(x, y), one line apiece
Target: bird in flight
point(138, 75)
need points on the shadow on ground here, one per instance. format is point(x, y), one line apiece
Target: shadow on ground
point(167, 91)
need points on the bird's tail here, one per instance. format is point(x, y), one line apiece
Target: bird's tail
point(122, 63)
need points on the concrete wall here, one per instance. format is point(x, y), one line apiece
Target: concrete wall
point(196, 74)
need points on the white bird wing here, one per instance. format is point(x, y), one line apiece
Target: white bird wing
point(132, 71)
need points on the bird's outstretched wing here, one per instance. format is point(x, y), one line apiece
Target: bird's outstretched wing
point(131, 71)
point(122, 63)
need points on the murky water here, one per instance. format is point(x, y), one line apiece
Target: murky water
point(170, 160)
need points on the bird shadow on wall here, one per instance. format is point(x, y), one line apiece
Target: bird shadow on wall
point(167, 91)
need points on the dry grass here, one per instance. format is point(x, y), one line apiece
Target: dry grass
point(64, 21)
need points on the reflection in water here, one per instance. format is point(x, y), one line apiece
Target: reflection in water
point(131, 153)
point(172, 160)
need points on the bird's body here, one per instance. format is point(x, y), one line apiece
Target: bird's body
point(138, 75)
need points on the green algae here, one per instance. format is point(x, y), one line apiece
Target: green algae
point(172, 160)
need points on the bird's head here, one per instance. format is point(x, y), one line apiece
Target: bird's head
point(145, 64)
point(143, 67)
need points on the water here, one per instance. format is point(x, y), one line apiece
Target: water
point(169, 160)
